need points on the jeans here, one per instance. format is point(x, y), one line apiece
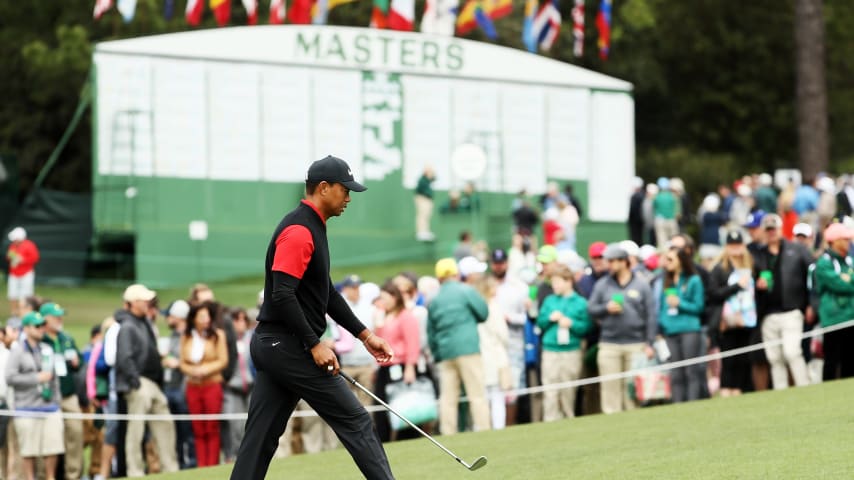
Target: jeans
point(686, 383)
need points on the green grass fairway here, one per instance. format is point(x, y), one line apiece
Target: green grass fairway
point(798, 433)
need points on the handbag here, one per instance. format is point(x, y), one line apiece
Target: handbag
point(649, 385)
point(417, 402)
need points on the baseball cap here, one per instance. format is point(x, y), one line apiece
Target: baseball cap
point(469, 265)
point(631, 248)
point(734, 236)
point(333, 170)
point(32, 319)
point(647, 251)
point(754, 219)
point(51, 309)
point(837, 231)
point(178, 309)
point(596, 249)
point(18, 234)
point(446, 267)
point(802, 229)
point(547, 254)
point(615, 252)
point(138, 292)
point(772, 221)
point(498, 256)
point(351, 281)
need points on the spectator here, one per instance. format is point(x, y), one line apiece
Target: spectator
point(400, 329)
point(173, 382)
point(826, 202)
point(138, 378)
point(494, 339)
point(522, 258)
point(239, 388)
point(452, 321)
point(30, 372)
point(766, 196)
point(525, 218)
point(568, 220)
point(805, 202)
point(623, 306)
point(93, 432)
point(563, 320)
point(649, 213)
point(666, 212)
point(803, 235)
point(598, 269)
point(23, 255)
point(571, 199)
point(512, 301)
point(552, 230)
point(424, 206)
point(834, 273)
point(678, 188)
point(636, 223)
point(727, 197)
point(782, 298)
point(681, 303)
point(203, 358)
point(5, 422)
point(742, 205)
point(67, 363)
point(712, 220)
point(845, 198)
point(465, 247)
point(552, 196)
point(352, 355)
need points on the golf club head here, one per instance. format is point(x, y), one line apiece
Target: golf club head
point(480, 462)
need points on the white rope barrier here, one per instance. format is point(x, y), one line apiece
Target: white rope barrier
point(376, 408)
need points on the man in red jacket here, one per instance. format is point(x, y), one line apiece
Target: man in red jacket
point(23, 255)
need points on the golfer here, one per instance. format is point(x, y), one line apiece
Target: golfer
point(291, 361)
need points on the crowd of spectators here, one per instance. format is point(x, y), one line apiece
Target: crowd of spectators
point(768, 264)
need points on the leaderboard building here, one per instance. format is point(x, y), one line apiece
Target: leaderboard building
point(202, 140)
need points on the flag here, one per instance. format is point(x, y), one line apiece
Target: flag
point(277, 12)
point(101, 6)
point(547, 24)
point(484, 21)
point(251, 7)
point(401, 15)
point(379, 15)
point(127, 8)
point(168, 9)
point(498, 8)
point(300, 11)
point(528, 37)
point(578, 28)
point(320, 11)
point(603, 24)
point(466, 21)
point(222, 11)
point(194, 11)
point(440, 16)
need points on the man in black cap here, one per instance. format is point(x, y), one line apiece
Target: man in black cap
point(291, 361)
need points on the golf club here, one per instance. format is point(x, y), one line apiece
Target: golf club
point(478, 463)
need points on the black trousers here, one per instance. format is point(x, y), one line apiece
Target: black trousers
point(286, 374)
point(839, 354)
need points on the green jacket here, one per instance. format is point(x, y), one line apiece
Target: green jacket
point(424, 187)
point(836, 296)
point(691, 304)
point(575, 307)
point(62, 343)
point(452, 319)
point(665, 205)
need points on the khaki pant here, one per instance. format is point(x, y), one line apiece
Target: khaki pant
point(560, 367)
point(787, 326)
point(423, 213)
point(665, 229)
point(365, 376)
point(148, 399)
point(469, 369)
point(316, 435)
point(94, 438)
point(11, 467)
point(73, 439)
point(616, 358)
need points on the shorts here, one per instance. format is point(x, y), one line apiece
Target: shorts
point(21, 287)
point(40, 437)
point(111, 427)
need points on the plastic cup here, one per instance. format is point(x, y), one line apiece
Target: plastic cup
point(618, 298)
point(768, 276)
point(672, 292)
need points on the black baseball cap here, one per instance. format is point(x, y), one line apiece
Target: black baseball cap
point(499, 256)
point(734, 236)
point(333, 170)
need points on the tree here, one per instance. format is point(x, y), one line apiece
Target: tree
point(811, 88)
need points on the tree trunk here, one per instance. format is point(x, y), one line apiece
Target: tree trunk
point(811, 88)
